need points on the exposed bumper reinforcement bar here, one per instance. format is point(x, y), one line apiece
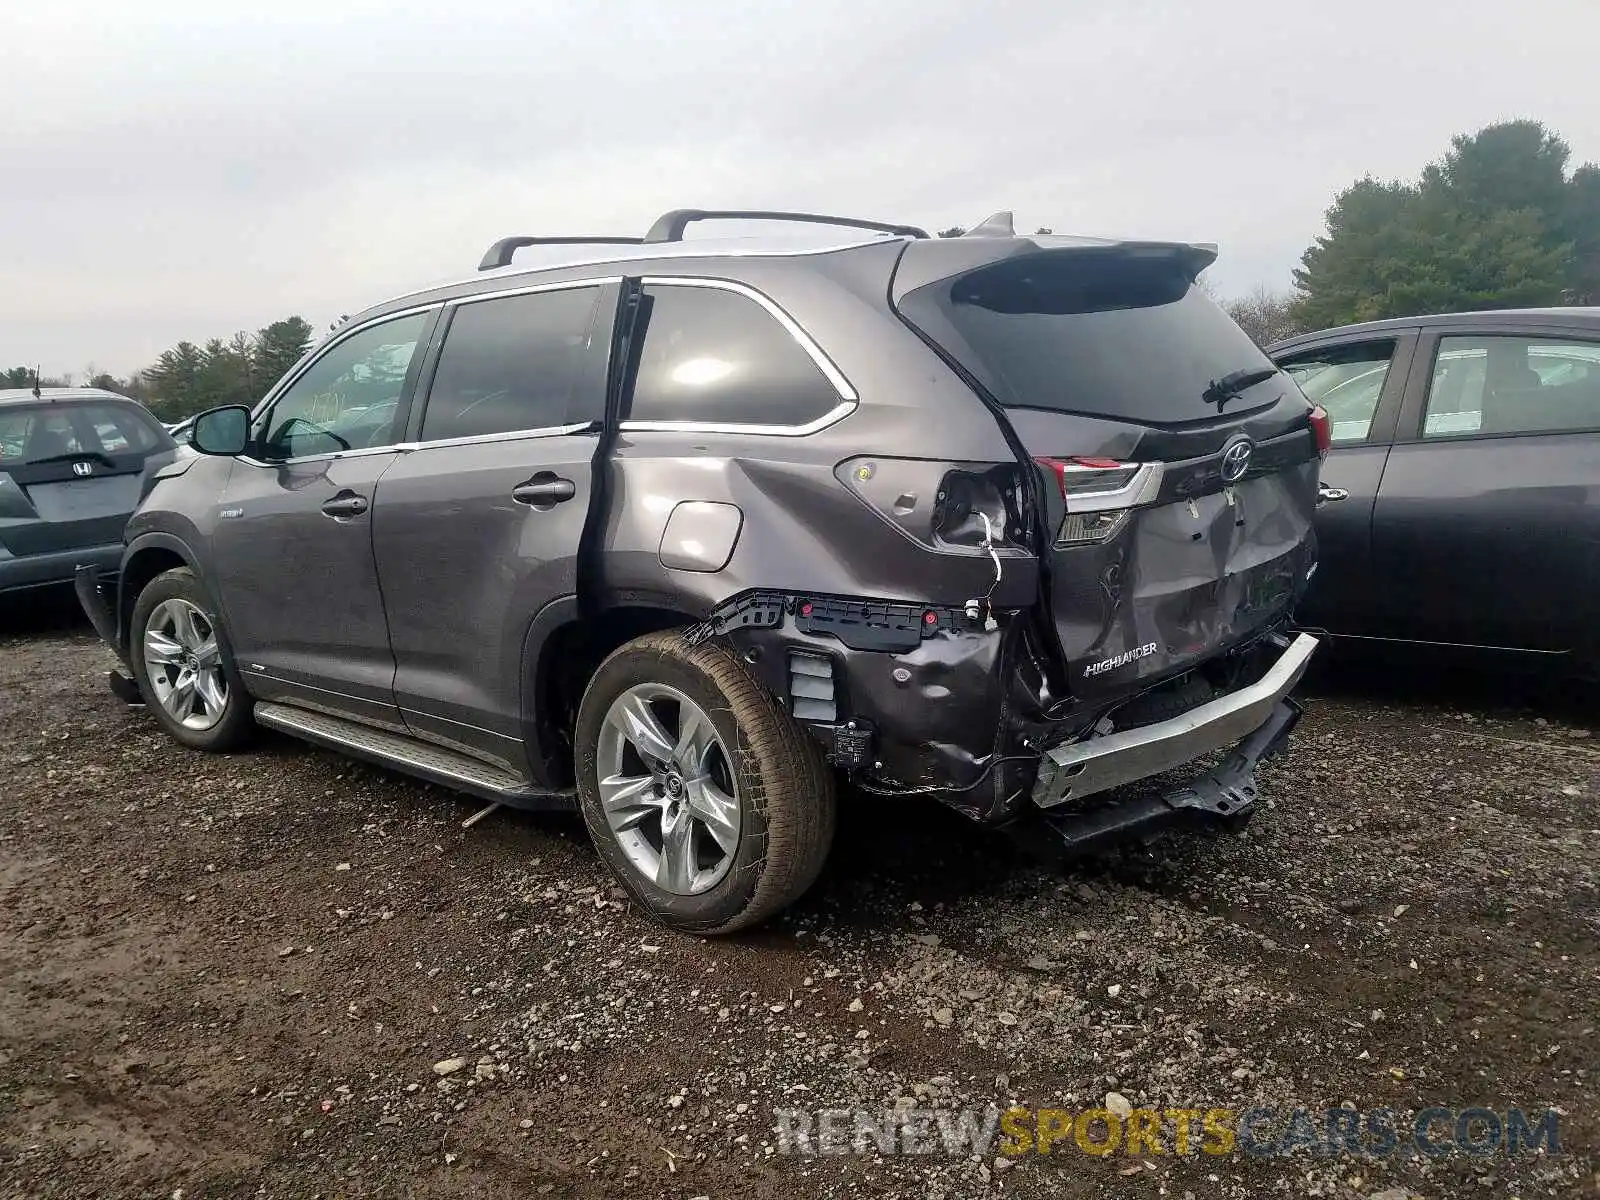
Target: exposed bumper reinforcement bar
point(1226, 795)
point(1071, 772)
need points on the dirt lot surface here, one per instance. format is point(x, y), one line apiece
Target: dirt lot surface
point(243, 976)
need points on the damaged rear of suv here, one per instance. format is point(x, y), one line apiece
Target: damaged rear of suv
point(680, 532)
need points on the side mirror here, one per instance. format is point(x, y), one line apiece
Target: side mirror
point(224, 431)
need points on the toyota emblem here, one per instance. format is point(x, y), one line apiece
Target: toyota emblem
point(83, 468)
point(1236, 459)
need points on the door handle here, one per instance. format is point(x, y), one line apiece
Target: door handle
point(346, 504)
point(1326, 494)
point(544, 490)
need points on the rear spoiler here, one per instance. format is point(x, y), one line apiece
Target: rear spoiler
point(926, 262)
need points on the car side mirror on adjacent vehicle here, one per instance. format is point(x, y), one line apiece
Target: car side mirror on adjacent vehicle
point(224, 431)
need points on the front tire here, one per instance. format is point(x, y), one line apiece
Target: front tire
point(704, 797)
point(185, 667)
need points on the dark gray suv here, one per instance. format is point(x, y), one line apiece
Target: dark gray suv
point(679, 532)
point(72, 464)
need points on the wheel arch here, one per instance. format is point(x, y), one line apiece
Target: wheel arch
point(147, 556)
point(563, 649)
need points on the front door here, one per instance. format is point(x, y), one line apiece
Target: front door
point(478, 525)
point(293, 540)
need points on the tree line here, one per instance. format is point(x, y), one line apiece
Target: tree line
point(1498, 222)
point(191, 378)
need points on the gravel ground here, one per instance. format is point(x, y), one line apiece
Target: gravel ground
point(283, 974)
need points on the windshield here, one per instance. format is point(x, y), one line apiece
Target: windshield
point(1095, 332)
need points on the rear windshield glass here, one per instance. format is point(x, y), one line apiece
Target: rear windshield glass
point(1091, 332)
point(48, 432)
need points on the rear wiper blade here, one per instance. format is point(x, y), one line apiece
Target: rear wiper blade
point(1220, 391)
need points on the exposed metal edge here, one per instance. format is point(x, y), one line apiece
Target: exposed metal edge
point(1081, 769)
point(349, 740)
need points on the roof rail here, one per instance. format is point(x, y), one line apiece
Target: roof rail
point(669, 227)
point(499, 254)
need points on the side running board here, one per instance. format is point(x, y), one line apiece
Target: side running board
point(425, 760)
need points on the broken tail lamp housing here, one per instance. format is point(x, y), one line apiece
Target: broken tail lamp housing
point(1322, 429)
point(1100, 495)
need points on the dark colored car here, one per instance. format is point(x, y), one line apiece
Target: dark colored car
point(71, 465)
point(1462, 494)
point(677, 532)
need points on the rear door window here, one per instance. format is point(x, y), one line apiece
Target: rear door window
point(1102, 333)
point(1347, 380)
point(517, 363)
point(714, 356)
point(1488, 384)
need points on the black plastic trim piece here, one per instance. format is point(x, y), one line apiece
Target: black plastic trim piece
point(882, 626)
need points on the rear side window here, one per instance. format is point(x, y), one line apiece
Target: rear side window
point(1489, 384)
point(44, 432)
point(718, 357)
point(519, 362)
point(1101, 333)
point(1347, 381)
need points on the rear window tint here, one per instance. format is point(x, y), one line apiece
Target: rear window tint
point(1085, 331)
point(718, 357)
point(38, 432)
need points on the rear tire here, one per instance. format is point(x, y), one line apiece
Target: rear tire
point(710, 830)
point(184, 665)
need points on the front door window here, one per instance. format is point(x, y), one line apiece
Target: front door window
point(347, 399)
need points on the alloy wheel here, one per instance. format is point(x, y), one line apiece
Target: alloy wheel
point(667, 789)
point(184, 663)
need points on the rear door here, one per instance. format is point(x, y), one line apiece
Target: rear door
point(478, 525)
point(1360, 383)
point(70, 472)
point(1487, 526)
point(1176, 467)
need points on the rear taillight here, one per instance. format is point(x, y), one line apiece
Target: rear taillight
point(1322, 429)
point(1100, 494)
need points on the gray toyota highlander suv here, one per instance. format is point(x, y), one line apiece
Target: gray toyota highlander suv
point(681, 532)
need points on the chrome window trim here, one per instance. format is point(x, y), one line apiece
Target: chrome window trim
point(510, 435)
point(837, 413)
point(364, 452)
point(849, 398)
point(565, 285)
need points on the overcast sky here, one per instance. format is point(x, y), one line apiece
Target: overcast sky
point(186, 168)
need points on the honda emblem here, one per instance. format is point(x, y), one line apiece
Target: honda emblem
point(83, 468)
